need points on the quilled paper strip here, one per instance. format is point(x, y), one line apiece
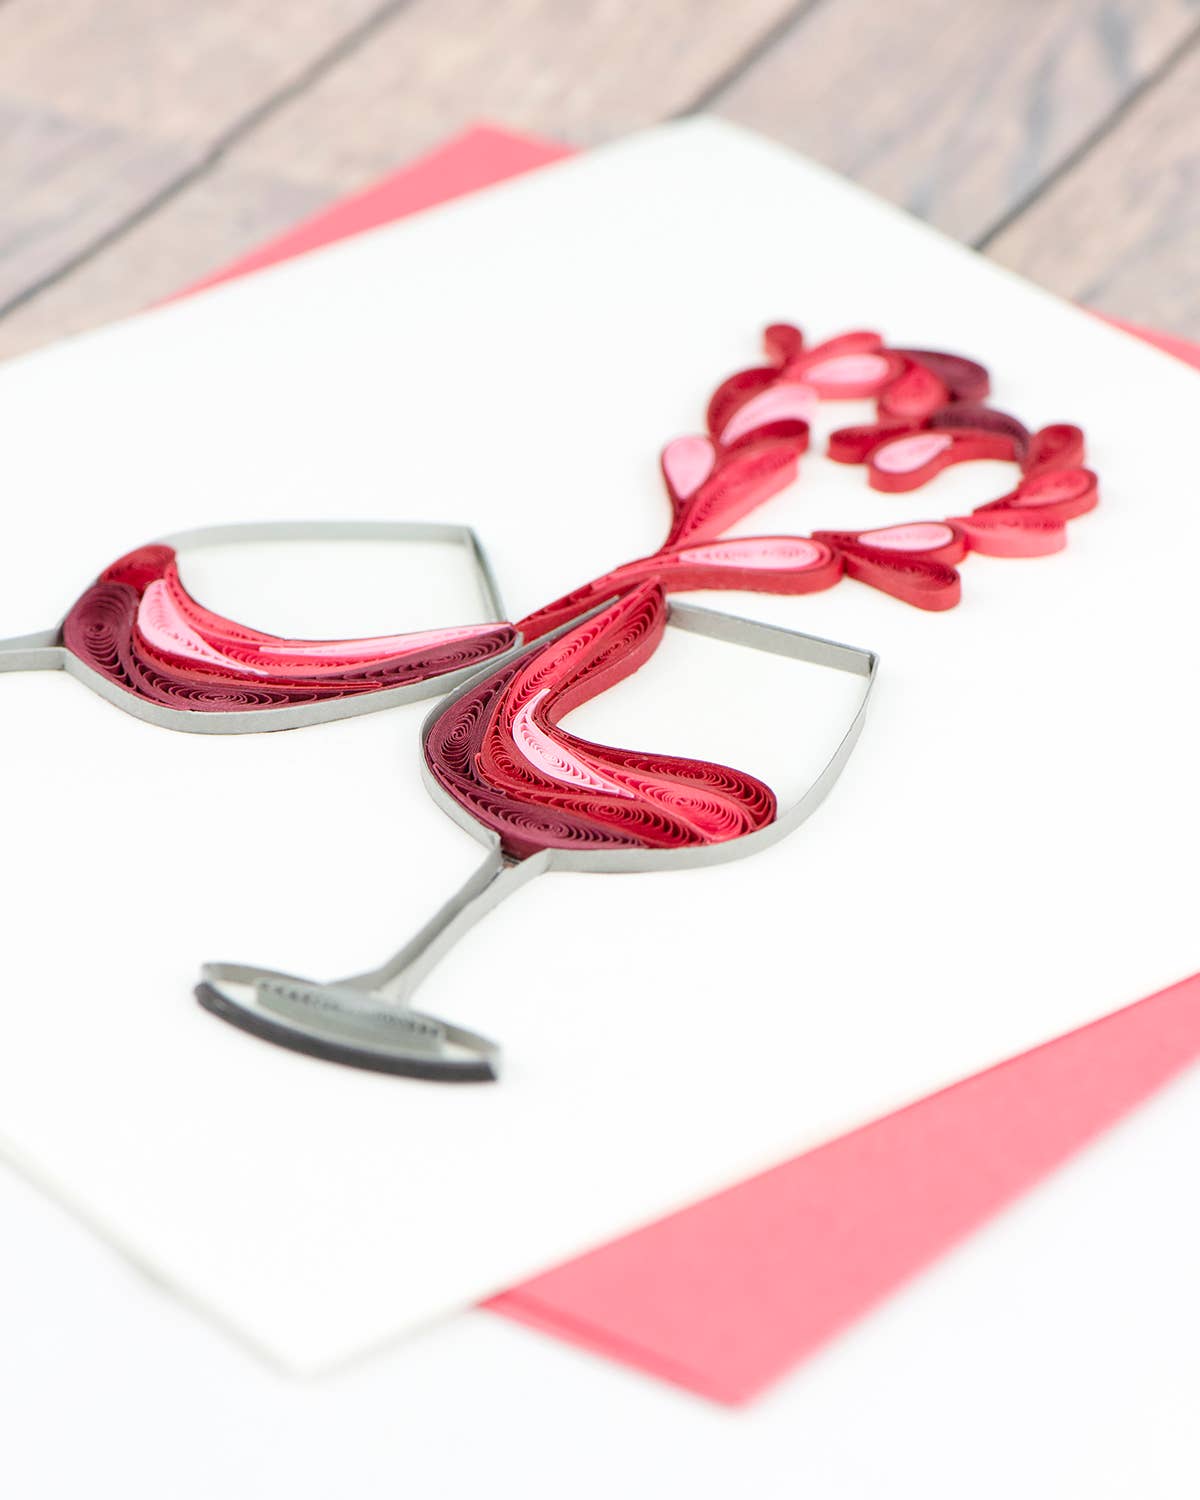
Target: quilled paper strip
point(138, 627)
point(499, 752)
point(931, 414)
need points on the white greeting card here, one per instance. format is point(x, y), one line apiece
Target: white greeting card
point(1008, 855)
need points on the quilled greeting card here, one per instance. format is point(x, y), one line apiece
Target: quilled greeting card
point(570, 378)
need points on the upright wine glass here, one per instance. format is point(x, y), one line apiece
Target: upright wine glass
point(498, 759)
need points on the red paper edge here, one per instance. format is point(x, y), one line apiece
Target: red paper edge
point(1026, 1116)
point(863, 1165)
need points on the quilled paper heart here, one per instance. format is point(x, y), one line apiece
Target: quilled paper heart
point(714, 481)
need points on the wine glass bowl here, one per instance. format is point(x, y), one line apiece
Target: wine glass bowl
point(139, 639)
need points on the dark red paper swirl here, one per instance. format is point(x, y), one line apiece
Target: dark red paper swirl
point(138, 627)
point(755, 564)
point(501, 752)
point(931, 414)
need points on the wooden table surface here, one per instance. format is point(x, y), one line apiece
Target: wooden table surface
point(144, 142)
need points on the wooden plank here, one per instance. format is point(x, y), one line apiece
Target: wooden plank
point(1008, 90)
point(64, 181)
point(104, 104)
point(955, 111)
point(575, 73)
point(222, 215)
point(166, 68)
point(1122, 231)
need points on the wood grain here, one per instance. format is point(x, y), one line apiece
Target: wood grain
point(223, 214)
point(578, 73)
point(955, 111)
point(142, 142)
point(104, 104)
point(163, 67)
point(1121, 232)
point(65, 181)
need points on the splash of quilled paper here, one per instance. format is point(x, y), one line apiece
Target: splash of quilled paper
point(500, 750)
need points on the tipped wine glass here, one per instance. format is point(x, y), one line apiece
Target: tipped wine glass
point(138, 638)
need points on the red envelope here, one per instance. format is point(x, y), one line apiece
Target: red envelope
point(729, 1294)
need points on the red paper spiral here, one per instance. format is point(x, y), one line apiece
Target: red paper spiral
point(500, 751)
point(138, 627)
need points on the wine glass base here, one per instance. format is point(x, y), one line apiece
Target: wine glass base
point(383, 1039)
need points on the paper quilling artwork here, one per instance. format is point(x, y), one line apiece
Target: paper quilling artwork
point(496, 753)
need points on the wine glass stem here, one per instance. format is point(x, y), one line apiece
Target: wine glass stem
point(40, 651)
point(497, 877)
